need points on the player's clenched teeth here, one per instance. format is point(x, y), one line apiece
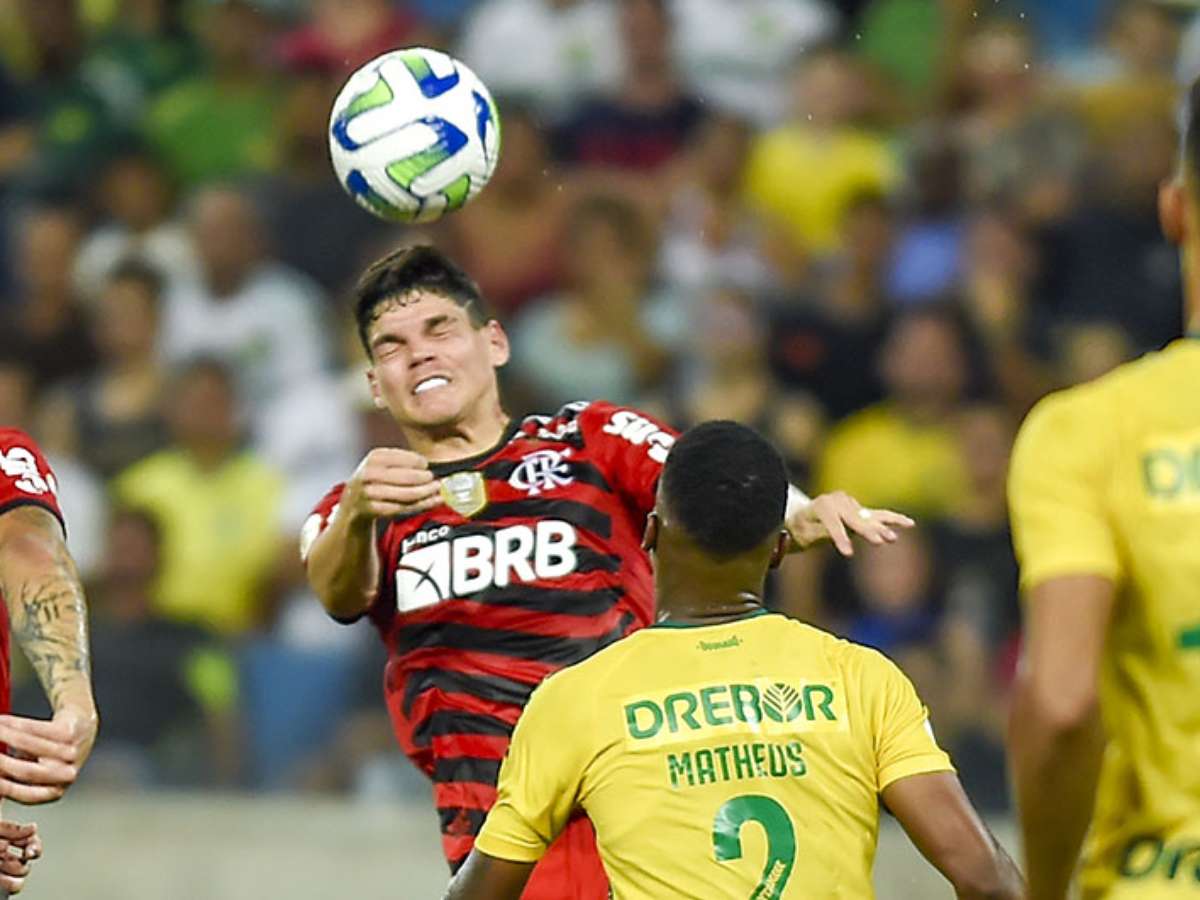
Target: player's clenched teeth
point(428, 384)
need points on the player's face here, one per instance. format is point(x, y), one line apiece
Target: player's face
point(431, 367)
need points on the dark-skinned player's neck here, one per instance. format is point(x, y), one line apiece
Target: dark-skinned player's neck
point(470, 436)
point(694, 590)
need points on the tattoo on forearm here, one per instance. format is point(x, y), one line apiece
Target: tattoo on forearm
point(48, 616)
point(49, 625)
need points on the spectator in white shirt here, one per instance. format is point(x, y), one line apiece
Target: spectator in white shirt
point(549, 52)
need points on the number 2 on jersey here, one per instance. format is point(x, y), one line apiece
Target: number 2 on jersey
point(781, 839)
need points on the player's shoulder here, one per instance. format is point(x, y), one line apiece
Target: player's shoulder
point(15, 437)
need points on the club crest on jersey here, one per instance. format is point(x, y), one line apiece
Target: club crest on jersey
point(465, 493)
point(544, 470)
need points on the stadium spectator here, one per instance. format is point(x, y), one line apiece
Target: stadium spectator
point(903, 450)
point(602, 325)
point(216, 505)
point(312, 227)
point(527, 203)
point(136, 200)
point(1109, 260)
point(147, 50)
point(645, 123)
point(112, 417)
point(342, 35)
point(221, 123)
point(551, 52)
point(822, 330)
point(709, 236)
point(263, 318)
point(168, 689)
point(803, 174)
point(735, 56)
point(47, 324)
point(927, 257)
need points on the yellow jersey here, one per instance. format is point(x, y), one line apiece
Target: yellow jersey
point(735, 760)
point(1105, 480)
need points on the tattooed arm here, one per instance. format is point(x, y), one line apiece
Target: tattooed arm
point(48, 619)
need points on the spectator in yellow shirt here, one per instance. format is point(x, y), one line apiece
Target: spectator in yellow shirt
point(803, 175)
point(217, 507)
point(903, 452)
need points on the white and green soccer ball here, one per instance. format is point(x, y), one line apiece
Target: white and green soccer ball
point(414, 134)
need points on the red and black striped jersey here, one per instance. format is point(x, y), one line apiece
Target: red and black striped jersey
point(25, 480)
point(534, 562)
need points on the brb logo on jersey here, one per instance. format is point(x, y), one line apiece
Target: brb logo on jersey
point(21, 466)
point(432, 569)
point(544, 470)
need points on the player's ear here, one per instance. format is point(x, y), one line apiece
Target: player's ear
point(498, 349)
point(376, 393)
point(650, 536)
point(782, 541)
point(1172, 200)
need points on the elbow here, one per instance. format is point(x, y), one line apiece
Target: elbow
point(1060, 708)
point(995, 879)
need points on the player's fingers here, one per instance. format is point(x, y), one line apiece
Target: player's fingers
point(837, 531)
point(395, 457)
point(41, 771)
point(16, 831)
point(387, 493)
point(33, 849)
point(399, 475)
point(60, 732)
point(21, 743)
point(868, 528)
point(30, 794)
point(10, 885)
point(893, 519)
point(14, 864)
point(385, 508)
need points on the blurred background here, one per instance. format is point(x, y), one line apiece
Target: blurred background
point(877, 230)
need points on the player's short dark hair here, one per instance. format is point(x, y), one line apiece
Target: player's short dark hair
point(409, 269)
point(727, 487)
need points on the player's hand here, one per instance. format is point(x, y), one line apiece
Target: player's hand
point(44, 758)
point(20, 847)
point(390, 482)
point(837, 515)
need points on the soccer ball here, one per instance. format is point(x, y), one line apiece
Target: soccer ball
point(414, 134)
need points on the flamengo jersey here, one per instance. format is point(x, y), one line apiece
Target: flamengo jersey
point(477, 609)
point(25, 480)
point(741, 760)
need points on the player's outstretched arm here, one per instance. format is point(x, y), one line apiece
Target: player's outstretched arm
point(343, 563)
point(484, 877)
point(835, 517)
point(1056, 740)
point(935, 811)
point(48, 617)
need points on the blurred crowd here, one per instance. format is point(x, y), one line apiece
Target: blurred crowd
point(878, 230)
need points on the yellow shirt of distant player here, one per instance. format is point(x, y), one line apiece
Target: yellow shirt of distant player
point(1105, 480)
point(735, 760)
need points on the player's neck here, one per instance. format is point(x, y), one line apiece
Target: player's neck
point(459, 440)
point(697, 609)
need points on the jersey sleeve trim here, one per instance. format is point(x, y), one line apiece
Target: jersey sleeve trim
point(925, 764)
point(34, 501)
point(500, 848)
point(1034, 574)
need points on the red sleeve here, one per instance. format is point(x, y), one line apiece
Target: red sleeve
point(25, 476)
point(630, 447)
point(318, 519)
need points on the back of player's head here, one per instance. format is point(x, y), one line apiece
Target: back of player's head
point(409, 270)
point(726, 487)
